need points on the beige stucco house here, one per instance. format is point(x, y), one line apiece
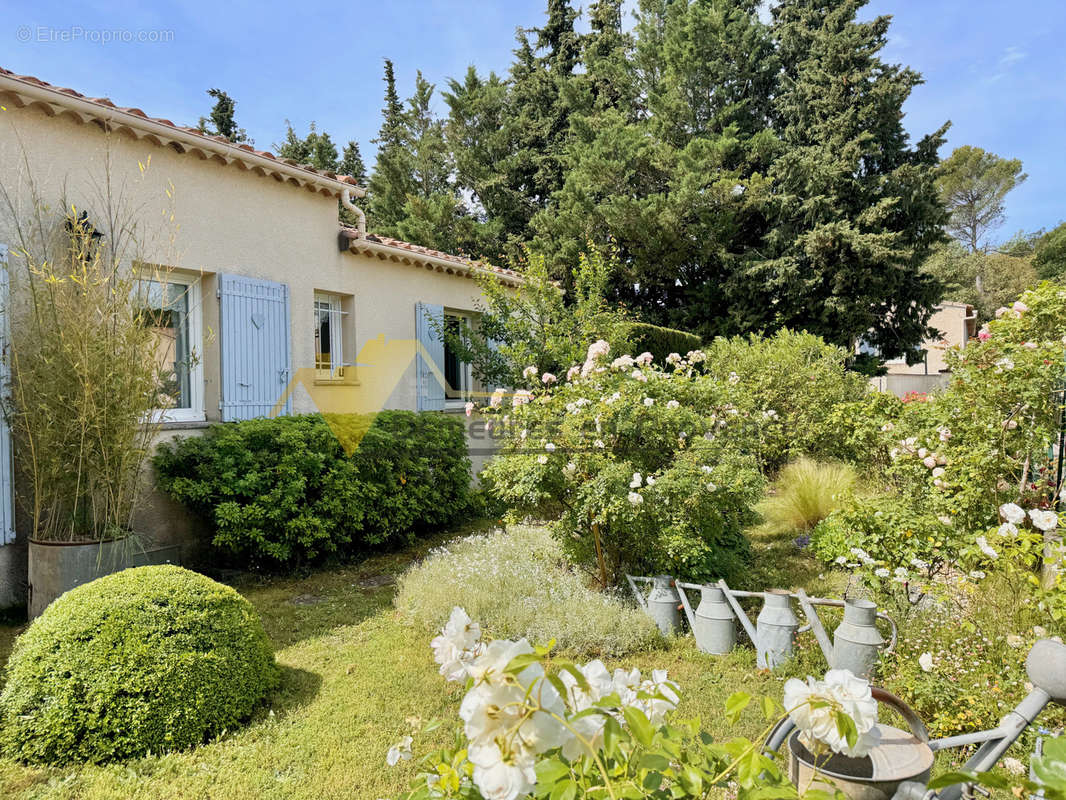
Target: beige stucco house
point(957, 324)
point(277, 307)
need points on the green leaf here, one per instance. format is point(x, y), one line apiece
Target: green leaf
point(639, 725)
point(769, 707)
point(735, 705)
point(520, 662)
point(653, 761)
point(950, 779)
point(551, 770)
point(565, 790)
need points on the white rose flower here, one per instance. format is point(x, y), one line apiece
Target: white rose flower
point(882, 572)
point(1012, 512)
point(734, 378)
point(672, 404)
point(711, 487)
point(548, 379)
point(644, 358)
point(542, 459)
point(929, 462)
point(925, 661)
point(649, 401)
point(549, 447)
point(635, 498)
point(1044, 520)
point(497, 779)
point(399, 752)
point(841, 691)
point(636, 481)
point(529, 372)
point(453, 648)
point(984, 547)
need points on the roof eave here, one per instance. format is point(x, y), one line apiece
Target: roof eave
point(398, 255)
point(54, 101)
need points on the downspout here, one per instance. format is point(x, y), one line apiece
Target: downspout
point(360, 215)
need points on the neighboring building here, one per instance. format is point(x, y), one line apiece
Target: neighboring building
point(957, 324)
point(272, 298)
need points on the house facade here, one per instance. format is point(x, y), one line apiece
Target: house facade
point(273, 305)
point(957, 325)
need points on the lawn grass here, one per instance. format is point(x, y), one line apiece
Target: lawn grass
point(357, 677)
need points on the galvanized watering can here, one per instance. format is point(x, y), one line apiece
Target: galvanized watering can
point(898, 757)
point(662, 603)
point(775, 629)
point(857, 643)
point(898, 767)
point(713, 623)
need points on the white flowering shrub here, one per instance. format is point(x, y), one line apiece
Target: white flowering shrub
point(519, 584)
point(652, 468)
point(536, 725)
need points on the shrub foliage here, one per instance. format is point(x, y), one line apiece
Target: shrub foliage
point(292, 489)
point(147, 660)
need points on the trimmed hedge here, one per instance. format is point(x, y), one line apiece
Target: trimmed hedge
point(660, 342)
point(293, 489)
point(148, 660)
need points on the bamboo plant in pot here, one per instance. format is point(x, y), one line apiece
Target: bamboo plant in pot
point(85, 378)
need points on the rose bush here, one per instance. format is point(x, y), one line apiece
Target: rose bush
point(534, 724)
point(652, 468)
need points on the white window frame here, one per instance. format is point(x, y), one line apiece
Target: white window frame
point(467, 370)
point(335, 308)
point(195, 412)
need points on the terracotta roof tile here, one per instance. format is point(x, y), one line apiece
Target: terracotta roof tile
point(417, 249)
point(106, 103)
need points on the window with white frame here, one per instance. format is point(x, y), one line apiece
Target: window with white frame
point(329, 336)
point(458, 376)
point(172, 310)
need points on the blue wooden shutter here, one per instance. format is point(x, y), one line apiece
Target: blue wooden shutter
point(429, 361)
point(256, 352)
point(7, 485)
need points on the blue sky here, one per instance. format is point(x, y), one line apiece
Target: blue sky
point(996, 69)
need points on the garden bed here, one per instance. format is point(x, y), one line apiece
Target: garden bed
point(355, 675)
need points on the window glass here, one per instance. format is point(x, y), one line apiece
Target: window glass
point(455, 371)
point(328, 342)
point(167, 313)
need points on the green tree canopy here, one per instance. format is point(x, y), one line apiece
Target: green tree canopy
point(222, 119)
point(973, 183)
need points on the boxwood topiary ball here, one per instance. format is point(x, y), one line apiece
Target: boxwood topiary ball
point(147, 660)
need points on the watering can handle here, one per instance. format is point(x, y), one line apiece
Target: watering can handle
point(895, 633)
point(785, 727)
point(685, 604)
point(642, 601)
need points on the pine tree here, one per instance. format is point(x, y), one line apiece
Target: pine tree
point(222, 119)
point(391, 182)
point(351, 163)
point(855, 208)
point(315, 150)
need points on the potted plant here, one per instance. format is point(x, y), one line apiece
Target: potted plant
point(85, 378)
